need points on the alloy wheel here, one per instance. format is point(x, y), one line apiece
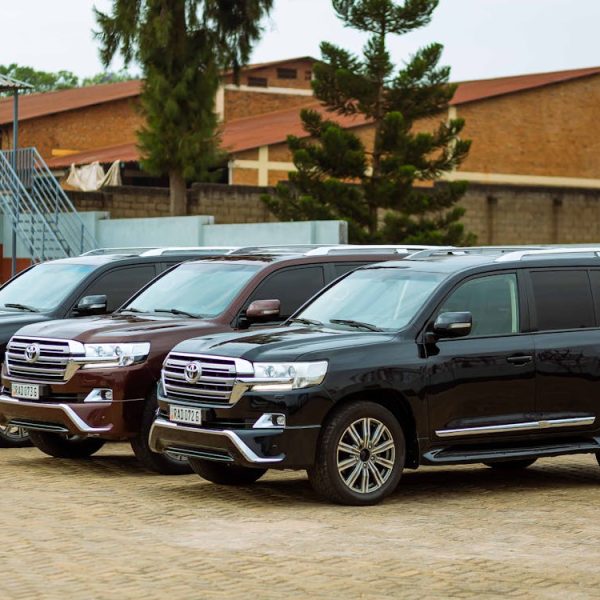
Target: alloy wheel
point(14, 433)
point(366, 454)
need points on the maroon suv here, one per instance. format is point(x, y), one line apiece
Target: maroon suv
point(75, 383)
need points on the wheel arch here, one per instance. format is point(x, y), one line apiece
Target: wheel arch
point(399, 406)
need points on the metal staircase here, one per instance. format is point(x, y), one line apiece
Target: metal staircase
point(41, 215)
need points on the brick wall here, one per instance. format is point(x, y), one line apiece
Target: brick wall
point(496, 214)
point(91, 127)
point(303, 68)
point(227, 203)
point(240, 104)
point(553, 131)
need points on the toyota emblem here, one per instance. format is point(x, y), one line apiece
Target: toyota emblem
point(32, 353)
point(192, 372)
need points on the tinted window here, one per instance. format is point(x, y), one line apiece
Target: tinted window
point(343, 268)
point(563, 299)
point(292, 287)
point(201, 289)
point(44, 286)
point(120, 284)
point(493, 301)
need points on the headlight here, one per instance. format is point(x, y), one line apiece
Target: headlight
point(114, 355)
point(288, 376)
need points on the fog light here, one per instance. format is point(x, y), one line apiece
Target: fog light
point(270, 421)
point(100, 395)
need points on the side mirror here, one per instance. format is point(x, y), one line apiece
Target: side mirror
point(453, 324)
point(92, 305)
point(263, 310)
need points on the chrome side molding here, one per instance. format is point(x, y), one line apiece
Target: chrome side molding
point(515, 427)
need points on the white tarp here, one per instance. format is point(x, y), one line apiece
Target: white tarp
point(90, 178)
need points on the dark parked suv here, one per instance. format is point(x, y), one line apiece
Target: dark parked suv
point(92, 284)
point(445, 358)
point(75, 383)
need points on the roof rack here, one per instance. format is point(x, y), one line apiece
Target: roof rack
point(161, 251)
point(367, 249)
point(520, 254)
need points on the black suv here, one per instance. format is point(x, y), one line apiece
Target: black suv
point(95, 283)
point(449, 357)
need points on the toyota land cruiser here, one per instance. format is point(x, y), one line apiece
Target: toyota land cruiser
point(92, 284)
point(446, 358)
point(73, 384)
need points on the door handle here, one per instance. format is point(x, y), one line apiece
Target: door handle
point(519, 359)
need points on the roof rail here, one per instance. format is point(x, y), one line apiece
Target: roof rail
point(366, 249)
point(161, 251)
point(131, 251)
point(520, 254)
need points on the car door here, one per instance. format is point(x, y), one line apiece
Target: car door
point(483, 385)
point(566, 338)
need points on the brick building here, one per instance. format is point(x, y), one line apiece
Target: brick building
point(534, 164)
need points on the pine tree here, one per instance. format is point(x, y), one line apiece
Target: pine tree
point(182, 46)
point(384, 190)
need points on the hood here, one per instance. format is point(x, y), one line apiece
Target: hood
point(129, 328)
point(281, 343)
point(11, 322)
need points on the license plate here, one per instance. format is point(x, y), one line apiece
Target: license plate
point(27, 391)
point(180, 414)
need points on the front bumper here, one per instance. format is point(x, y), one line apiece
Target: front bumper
point(102, 419)
point(282, 448)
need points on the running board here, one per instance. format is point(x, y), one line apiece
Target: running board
point(466, 455)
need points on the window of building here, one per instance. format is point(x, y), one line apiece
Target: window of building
point(308, 75)
point(563, 299)
point(493, 301)
point(258, 82)
point(292, 287)
point(285, 73)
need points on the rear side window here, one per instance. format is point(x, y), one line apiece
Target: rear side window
point(292, 287)
point(340, 269)
point(120, 284)
point(493, 301)
point(562, 300)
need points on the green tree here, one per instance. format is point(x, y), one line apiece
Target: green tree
point(108, 77)
point(373, 188)
point(181, 47)
point(42, 81)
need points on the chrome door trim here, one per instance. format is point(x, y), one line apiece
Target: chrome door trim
point(512, 427)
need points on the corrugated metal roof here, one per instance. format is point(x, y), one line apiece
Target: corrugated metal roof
point(8, 84)
point(37, 105)
point(471, 91)
point(237, 135)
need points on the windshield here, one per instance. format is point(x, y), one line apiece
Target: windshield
point(43, 288)
point(194, 289)
point(373, 299)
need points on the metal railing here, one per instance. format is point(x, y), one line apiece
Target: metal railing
point(40, 213)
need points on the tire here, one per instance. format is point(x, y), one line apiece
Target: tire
point(341, 485)
point(511, 465)
point(62, 446)
point(12, 436)
point(165, 464)
point(225, 473)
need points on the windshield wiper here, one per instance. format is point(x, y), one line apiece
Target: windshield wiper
point(358, 324)
point(21, 307)
point(176, 311)
point(306, 321)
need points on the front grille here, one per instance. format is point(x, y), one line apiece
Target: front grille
point(50, 365)
point(214, 386)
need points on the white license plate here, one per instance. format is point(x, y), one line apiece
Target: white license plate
point(26, 390)
point(180, 414)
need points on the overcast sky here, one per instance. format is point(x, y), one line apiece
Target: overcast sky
point(482, 38)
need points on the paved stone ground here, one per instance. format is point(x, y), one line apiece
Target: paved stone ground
point(106, 529)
